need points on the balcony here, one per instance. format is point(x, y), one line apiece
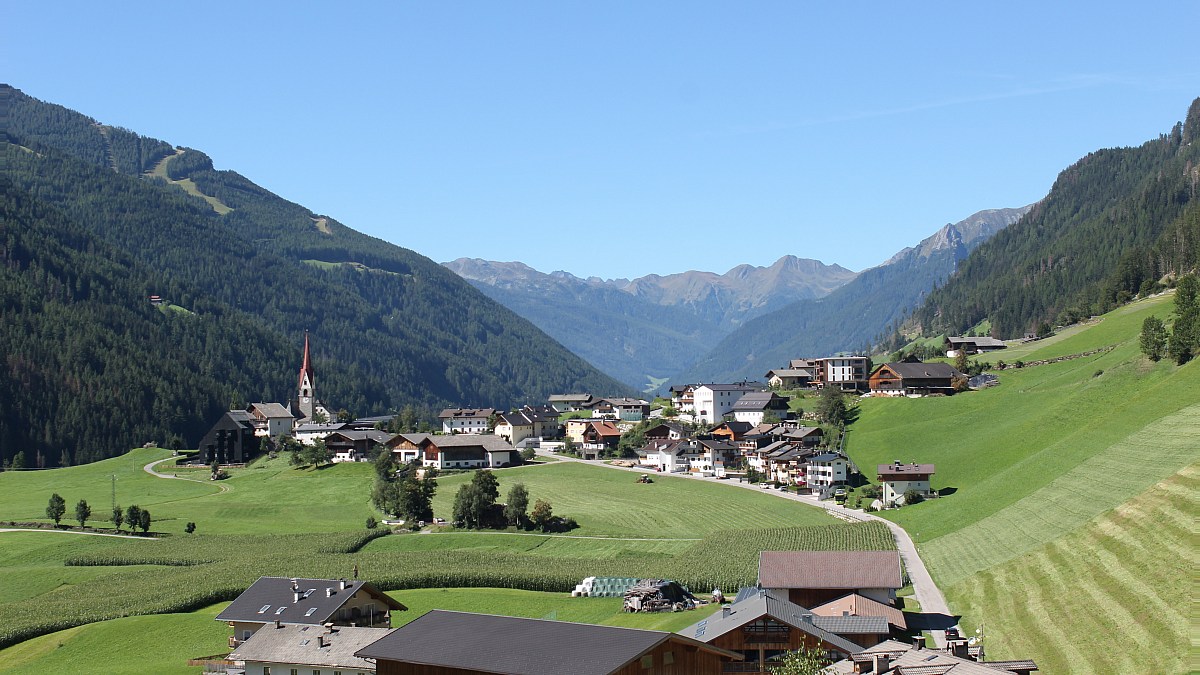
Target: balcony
point(234, 643)
point(761, 637)
point(741, 667)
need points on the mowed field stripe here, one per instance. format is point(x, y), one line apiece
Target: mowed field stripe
point(1112, 476)
point(1110, 597)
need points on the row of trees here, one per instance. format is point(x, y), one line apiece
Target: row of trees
point(134, 516)
point(1183, 342)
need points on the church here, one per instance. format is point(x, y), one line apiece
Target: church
point(237, 435)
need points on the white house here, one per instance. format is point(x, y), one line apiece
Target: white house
point(754, 405)
point(713, 401)
point(271, 419)
point(514, 427)
point(898, 478)
point(465, 420)
point(310, 433)
point(671, 456)
point(826, 470)
point(466, 451)
point(846, 372)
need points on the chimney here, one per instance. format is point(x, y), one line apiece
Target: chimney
point(959, 648)
point(320, 642)
point(295, 595)
point(919, 642)
point(342, 584)
point(329, 592)
point(277, 625)
point(726, 610)
point(882, 662)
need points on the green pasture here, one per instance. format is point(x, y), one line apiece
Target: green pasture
point(537, 605)
point(607, 502)
point(1115, 595)
point(998, 446)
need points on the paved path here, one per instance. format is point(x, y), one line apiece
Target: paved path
point(924, 589)
point(94, 534)
point(149, 468)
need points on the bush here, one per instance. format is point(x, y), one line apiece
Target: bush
point(371, 523)
point(913, 497)
point(190, 528)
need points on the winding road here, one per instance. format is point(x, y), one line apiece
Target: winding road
point(924, 589)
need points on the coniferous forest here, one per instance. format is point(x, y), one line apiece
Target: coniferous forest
point(89, 231)
point(1114, 225)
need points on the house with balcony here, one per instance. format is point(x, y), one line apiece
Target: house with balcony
point(898, 478)
point(310, 602)
point(848, 373)
point(624, 409)
point(598, 437)
point(763, 625)
point(713, 457)
point(906, 378)
point(355, 445)
point(271, 419)
point(465, 420)
point(825, 471)
point(972, 345)
point(570, 402)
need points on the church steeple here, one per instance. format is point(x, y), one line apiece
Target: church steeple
point(305, 383)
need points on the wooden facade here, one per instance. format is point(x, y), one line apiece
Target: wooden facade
point(670, 657)
point(765, 639)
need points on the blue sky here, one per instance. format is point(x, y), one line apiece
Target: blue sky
point(619, 139)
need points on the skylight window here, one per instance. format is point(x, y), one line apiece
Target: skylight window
point(263, 609)
point(304, 643)
point(280, 610)
point(310, 611)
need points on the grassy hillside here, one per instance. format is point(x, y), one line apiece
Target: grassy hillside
point(1035, 461)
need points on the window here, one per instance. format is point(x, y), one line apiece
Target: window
point(266, 670)
point(647, 662)
point(294, 672)
point(668, 658)
point(280, 610)
point(310, 611)
point(263, 609)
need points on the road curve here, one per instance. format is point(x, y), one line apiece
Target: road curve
point(149, 468)
point(924, 589)
point(93, 534)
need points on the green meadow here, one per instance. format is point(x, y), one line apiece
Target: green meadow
point(61, 594)
point(1032, 464)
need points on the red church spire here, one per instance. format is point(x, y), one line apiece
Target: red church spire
point(305, 380)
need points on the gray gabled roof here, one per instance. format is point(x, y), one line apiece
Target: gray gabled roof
point(501, 644)
point(272, 598)
point(310, 645)
point(271, 410)
point(923, 371)
point(755, 605)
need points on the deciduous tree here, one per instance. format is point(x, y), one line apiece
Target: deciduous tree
point(517, 504)
point(1154, 338)
point(82, 512)
point(542, 514)
point(56, 508)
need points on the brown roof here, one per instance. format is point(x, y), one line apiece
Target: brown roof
point(829, 569)
point(858, 605)
point(606, 428)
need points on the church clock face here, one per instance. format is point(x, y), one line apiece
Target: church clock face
point(305, 399)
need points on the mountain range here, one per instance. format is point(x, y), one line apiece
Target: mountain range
point(653, 326)
point(703, 326)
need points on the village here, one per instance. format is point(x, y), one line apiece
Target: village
point(841, 606)
point(746, 431)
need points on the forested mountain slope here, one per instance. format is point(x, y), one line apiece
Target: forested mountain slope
point(1113, 221)
point(92, 368)
point(853, 316)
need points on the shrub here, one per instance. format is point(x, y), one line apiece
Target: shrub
point(371, 523)
point(913, 497)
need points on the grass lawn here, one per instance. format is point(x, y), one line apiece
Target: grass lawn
point(608, 503)
point(535, 605)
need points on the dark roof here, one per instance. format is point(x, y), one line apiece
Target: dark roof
point(299, 644)
point(739, 428)
point(826, 457)
point(902, 470)
point(518, 646)
point(757, 604)
point(488, 442)
point(741, 386)
point(922, 371)
point(375, 435)
point(977, 341)
point(516, 419)
point(829, 569)
point(272, 598)
point(466, 412)
point(759, 400)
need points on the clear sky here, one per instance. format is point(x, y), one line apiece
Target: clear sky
point(619, 139)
